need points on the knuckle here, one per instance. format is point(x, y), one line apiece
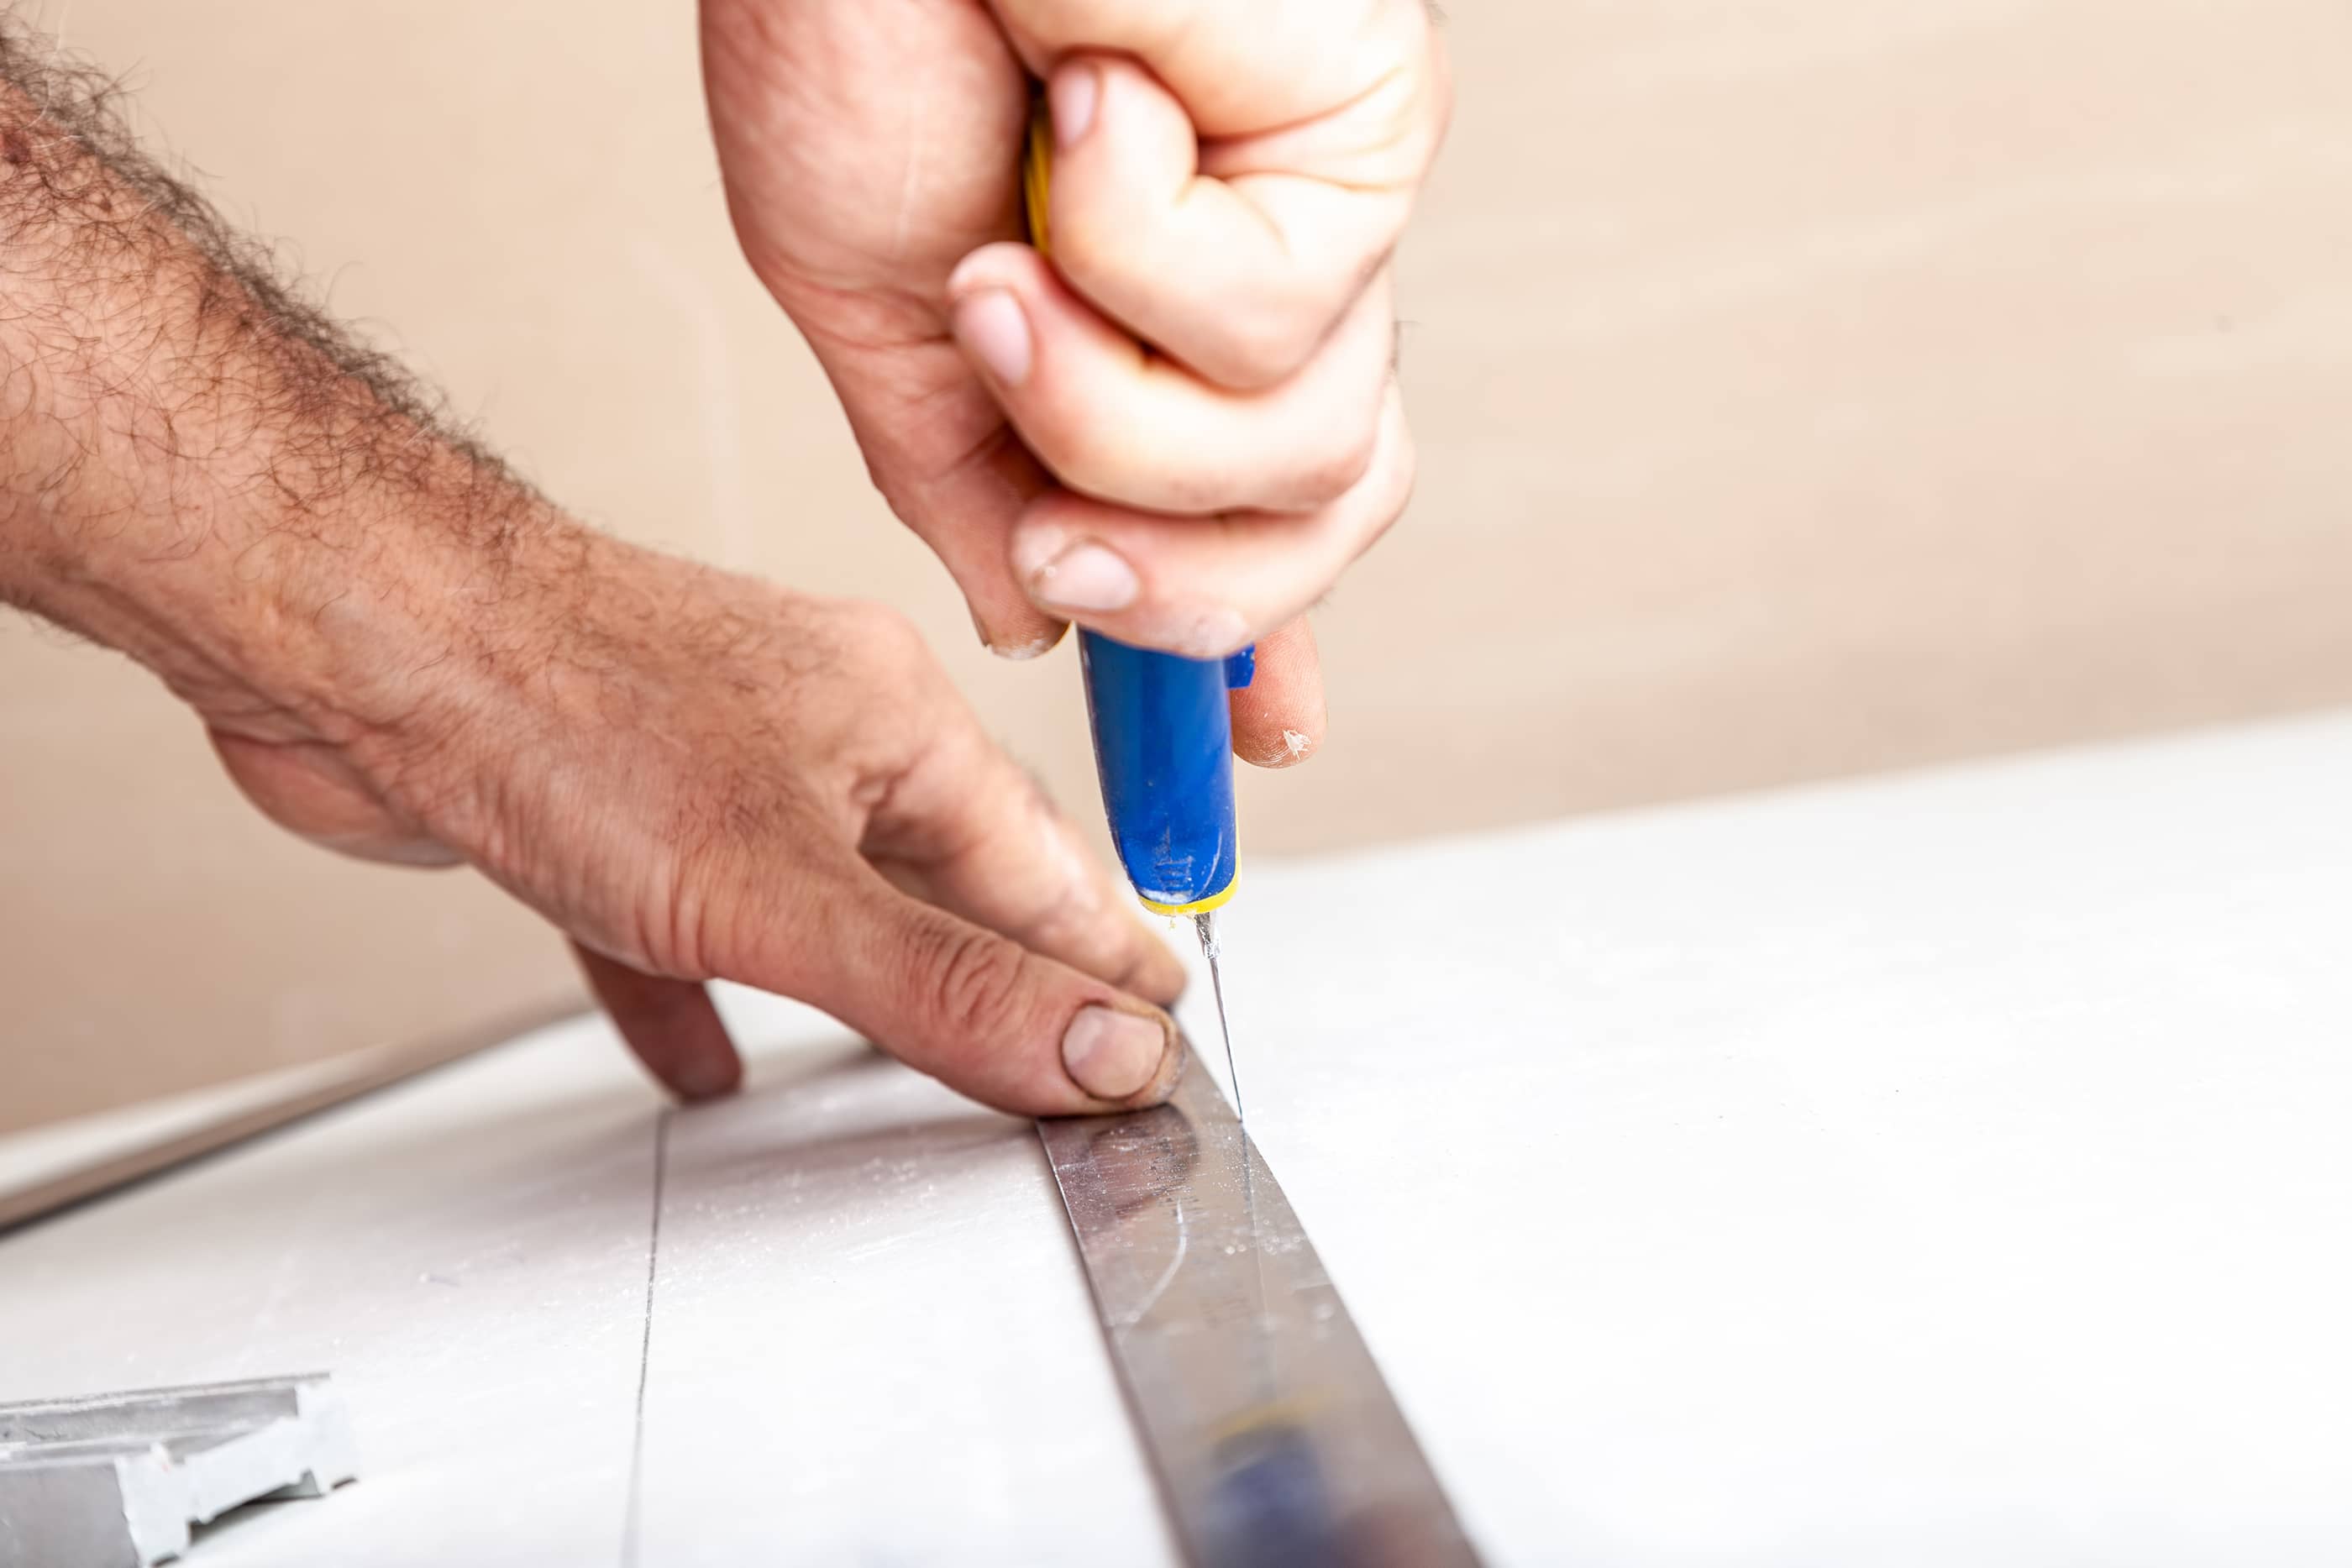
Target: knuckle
point(1125, 260)
point(879, 623)
point(1088, 249)
point(883, 636)
point(1083, 455)
point(1264, 349)
point(1400, 473)
point(1387, 491)
point(974, 981)
point(1341, 463)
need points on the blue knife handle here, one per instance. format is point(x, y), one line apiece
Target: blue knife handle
point(1164, 751)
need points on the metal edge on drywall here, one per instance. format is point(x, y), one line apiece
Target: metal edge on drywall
point(52, 1195)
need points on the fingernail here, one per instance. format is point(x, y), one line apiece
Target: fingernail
point(1021, 653)
point(1111, 1054)
point(991, 326)
point(1073, 96)
point(1086, 576)
point(1035, 647)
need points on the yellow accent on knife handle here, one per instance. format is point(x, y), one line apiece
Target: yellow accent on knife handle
point(1037, 175)
point(1216, 900)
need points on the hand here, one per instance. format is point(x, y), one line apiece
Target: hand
point(699, 777)
point(1204, 366)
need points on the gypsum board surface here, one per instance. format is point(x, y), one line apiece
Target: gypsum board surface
point(1275, 1438)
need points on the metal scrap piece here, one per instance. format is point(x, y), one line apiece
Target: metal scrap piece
point(1276, 1439)
point(119, 1481)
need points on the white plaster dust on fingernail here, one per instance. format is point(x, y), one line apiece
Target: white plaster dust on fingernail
point(1035, 648)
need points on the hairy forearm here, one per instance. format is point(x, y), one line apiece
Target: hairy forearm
point(198, 470)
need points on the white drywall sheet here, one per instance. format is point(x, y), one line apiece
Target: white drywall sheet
point(1941, 1170)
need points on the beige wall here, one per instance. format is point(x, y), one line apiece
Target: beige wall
point(1804, 389)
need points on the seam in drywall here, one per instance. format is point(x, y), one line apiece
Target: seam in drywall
point(646, 1345)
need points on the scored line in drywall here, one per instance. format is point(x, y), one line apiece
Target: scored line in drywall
point(646, 1345)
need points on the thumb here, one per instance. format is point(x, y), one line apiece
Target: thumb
point(976, 1009)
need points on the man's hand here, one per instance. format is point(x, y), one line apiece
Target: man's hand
point(402, 653)
point(1205, 365)
point(700, 777)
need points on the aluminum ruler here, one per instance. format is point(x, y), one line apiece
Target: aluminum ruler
point(1276, 1439)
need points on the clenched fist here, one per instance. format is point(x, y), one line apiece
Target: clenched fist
point(1181, 429)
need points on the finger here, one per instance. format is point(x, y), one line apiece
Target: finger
point(1242, 67)
point(1113, 421)
point(671, 1025)
point(1241, 278)
point(1008, 1027)
point(941, 453)
point(969, 831)
point(1205, 587)
point(1278, 719)
point(965, 515)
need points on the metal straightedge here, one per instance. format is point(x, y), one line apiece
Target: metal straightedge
point(1277, 1441)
